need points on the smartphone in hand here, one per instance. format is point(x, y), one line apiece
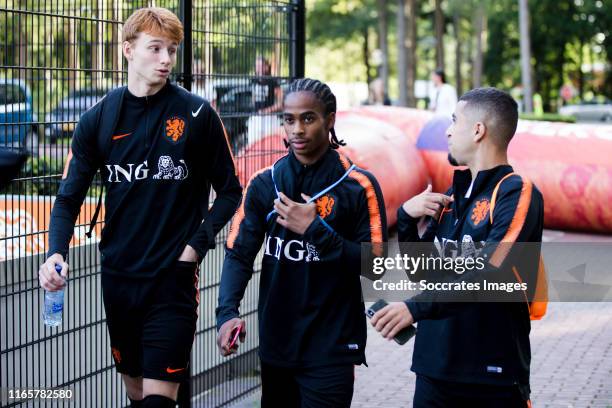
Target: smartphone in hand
point(234, 336)
point(404, 335)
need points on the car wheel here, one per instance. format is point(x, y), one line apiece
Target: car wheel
point(607, 118)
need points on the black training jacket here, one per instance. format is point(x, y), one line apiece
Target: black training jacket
point(484, 342)
point(159, 156)
point(310, 307)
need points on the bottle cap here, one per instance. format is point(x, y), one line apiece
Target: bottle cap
point(58, 269)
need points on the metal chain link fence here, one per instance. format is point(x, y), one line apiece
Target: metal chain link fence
point(57, 59)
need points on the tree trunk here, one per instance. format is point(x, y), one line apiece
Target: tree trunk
point(116, 45)
point(406, 35)
point(95, 41)
point(561, 64)
point(546, 95)
point(207, 41)
point(593, 73)
point(93, 36)
point(525, 44)
point(366, 54)
point(580, 73)
point(479, 28)
point(275, 62)
point(71, 52)
point(458, 56)
point(607, 88)
point(469, 60)
point(439, 28)
point(22, 47)
point(383, 43)
point(412, 33)
point(402, 54)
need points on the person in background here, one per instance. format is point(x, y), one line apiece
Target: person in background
point(267, 96)
point(443, 98)
point(377, 94)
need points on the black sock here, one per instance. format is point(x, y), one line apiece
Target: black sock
point(135, 403)
point(158, 401)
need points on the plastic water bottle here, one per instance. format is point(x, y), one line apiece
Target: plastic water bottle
point(54, 305)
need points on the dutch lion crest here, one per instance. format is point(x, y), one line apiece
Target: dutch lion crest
point(168, 171)
point(175, 127)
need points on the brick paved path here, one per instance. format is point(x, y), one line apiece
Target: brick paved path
point(571, 363)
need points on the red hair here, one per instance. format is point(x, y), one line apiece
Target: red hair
point(154, 21)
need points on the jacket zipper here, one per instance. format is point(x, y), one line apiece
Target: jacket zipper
point(146, 122)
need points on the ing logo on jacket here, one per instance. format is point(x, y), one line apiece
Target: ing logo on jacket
point(130, 172)
point(292, 250)
point(467, 248)
point(168, 171)
point(175, 127)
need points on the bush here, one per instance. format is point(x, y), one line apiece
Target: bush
point(548, 117)
point(42, 176)
point(39, 176)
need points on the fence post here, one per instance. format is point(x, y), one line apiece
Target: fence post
point(185, 75)
point(298, 36)
point(272, 25)
point(184, 393)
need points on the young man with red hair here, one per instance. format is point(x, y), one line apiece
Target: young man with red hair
point(159, 149)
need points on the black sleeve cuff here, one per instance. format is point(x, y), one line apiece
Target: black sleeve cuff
point(404, 217)
point(417, 309)
point(200, 247)
point(64, 254)
point(317, 231)
point(200, 251)
point(226, 317)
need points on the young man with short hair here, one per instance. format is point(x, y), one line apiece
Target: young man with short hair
point(159, 149)
point(467, 353)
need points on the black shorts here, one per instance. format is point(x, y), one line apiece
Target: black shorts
point(152, 323)
point(315, 387)
point(433, 393)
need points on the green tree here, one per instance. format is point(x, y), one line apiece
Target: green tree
point(335, 23)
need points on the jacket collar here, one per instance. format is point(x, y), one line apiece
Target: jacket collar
point(150, 98)
point(292, 177)
point(298, 168)
point(485, 179)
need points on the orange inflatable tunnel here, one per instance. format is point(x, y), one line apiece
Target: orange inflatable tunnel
point(383, 150)
point(409, 121)
point(571, 164)
point(260, 154)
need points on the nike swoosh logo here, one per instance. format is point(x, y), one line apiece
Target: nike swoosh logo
point(174, 370)
point(196, 113)
point(116, 137)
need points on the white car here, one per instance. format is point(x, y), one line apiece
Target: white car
point(213, 89)
point(589, 111)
